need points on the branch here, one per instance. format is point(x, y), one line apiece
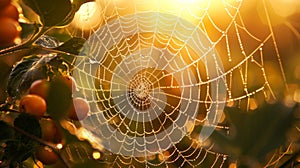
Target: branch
point(27, 45)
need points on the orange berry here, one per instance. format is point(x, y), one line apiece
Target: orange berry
point(40, 87)
point(9, 31)
point(79, 110)
point(70, 81)
point(46, 155)
point(10, 11)
point(33, 104)
point(50, 131)
point(4, 3)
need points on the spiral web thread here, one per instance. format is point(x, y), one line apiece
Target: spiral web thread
point(164, 87)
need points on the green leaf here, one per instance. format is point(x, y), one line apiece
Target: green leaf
point(28, 29)
point(68, 19)
point(72, 46)
point(31, 69)
point(22, 68)
point(25, 146)
point(29, 124)
point(255, 133)
point(59, 34)
point(59, 99)
point(51, 12)
point(6, 132)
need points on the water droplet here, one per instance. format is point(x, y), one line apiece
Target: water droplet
point(47, 42)
point(93, 61)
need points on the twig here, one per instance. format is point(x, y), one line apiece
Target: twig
point(291, 159)
point(9, 110)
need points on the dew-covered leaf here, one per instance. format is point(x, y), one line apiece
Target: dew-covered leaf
point(31, 69)
point(17, 75)
point(47, 41)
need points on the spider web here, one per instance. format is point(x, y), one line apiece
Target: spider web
point(159, 73)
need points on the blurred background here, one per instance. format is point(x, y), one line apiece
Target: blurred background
point(258, 42)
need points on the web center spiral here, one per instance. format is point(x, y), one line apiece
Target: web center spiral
point(139, 92)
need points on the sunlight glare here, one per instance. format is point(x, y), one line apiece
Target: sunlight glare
point(59, 146)
point(96, 155)
point(38, 164)
point(285, 8)
point(88, 16)
point(189, 1)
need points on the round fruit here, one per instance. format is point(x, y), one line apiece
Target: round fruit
point(46, 155)
point(4, 3)
point(33, 104)
point(70, 82)
point(10, 11)
point(50, 131)
point(79, 110)
point(40, 87)
point(9, 31)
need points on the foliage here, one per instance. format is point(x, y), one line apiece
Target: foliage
point(50, 13)
point(19, 147)
point(255, 133)
point(17, 75)
point(44, 57)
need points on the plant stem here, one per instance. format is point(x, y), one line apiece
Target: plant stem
point(9, 110)
point(288, 162)
point(27, 44)
point(16, 111)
